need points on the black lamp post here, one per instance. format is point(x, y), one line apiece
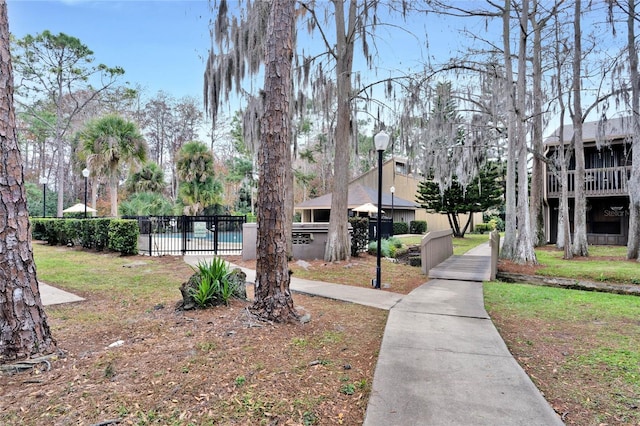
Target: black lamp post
point(381, 140)
point(44, 181)
point(392, 190)
point(85, 173)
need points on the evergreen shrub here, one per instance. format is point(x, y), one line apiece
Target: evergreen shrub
point(400, 228)
point(418, 227)
point(359, 235)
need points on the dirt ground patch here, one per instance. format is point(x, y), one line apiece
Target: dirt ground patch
point(219, 366)
point(358, 271)
point(215, 366)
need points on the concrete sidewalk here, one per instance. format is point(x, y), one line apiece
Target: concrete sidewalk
point(442, 361)
point(360, 295)
point(54, 296)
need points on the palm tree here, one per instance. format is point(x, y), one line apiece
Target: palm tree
point(198, 187)
point(150, 178)
point(111, 142)
point(146, 204)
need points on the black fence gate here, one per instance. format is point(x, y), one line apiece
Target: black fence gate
point(386, 228)
point(180, 235)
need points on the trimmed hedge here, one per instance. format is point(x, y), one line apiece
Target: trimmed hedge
point(115, 234)
point(123, 236)
point(481, 228)
point(359, 235)
point(400, 228)
point(418, 227)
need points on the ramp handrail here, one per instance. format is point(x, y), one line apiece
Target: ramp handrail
point(435, 248)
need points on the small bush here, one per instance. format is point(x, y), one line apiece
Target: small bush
point(388, 247)
point(400, 228)
point(205, 293)
point(38, 229)
point(481, 228)
point(101, 232)
point(123, 236)
point(417, 227)
point(497, 223)
point(395, 242)
point(214, 287)
point(359, 235)
point(494, 220)
point(415, 261)
point(87, 234)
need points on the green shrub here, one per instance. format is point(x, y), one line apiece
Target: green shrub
point(205, 293)
point(70, 231)
point(400, 228)
point(481, 228)
point(55, 232)
point(359, 235)
point(417, 227)
point(101, 232)
point(115, 234)
point(38, 229)
point(495, 220)
point(214, 287)
point(388, 247)
point(123, 236)
point(497, 223)
point(395, 242)
point(87, 233)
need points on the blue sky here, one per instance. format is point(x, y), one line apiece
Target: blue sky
point(162, 45)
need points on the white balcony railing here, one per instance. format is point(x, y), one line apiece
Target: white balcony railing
point(597, 182)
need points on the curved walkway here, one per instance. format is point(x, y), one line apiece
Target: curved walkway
point(442, 361)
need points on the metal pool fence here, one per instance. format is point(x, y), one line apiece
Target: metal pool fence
point(180, 235)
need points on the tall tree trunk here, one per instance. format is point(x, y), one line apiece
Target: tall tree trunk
point(94, 193)
point(338, 243)
point(113, 193)
point(524, 251)
point(563, 238)
point(23, 323)
point(633, 243)
point(60, 174)
point(537, 169)
point(273, 300)
point(580, 244)
point(509, 244)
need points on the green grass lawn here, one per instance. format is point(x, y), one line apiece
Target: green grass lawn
point(604, 264)
point(581, 348)
point(128, 278)
point(460, 245)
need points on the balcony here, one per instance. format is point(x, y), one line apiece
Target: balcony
point(602, 182)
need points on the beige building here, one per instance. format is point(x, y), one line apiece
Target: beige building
point(401, 204)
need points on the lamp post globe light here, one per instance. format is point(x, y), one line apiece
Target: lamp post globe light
point(392, 190)
point(43, 182)
point(381, 141)
point(85, 173)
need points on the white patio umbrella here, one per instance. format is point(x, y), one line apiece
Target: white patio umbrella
point(367, 208)
point(79, 208)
